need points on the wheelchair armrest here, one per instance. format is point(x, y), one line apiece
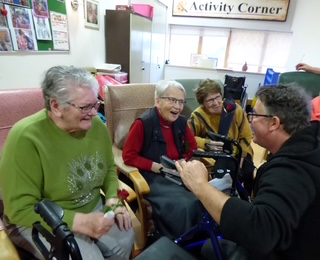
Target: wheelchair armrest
point(244, 101)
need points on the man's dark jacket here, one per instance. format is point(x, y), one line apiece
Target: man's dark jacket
point(283, 222)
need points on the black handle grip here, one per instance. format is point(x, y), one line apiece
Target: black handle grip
point(167, 162)
point(50, 212)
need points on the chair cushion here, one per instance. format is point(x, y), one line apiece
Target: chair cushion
point(123, 104)
point(16, 104)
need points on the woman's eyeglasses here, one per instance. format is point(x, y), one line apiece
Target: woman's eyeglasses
point(86, 109)
point(173, 101)
point(211, 100)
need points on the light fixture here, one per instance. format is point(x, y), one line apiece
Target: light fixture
point(75, 5)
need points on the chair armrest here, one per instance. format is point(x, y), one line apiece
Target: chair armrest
point(141, 188)
point(131, 172)
point(132, 195)
point(7, 249)
point(125, 169)
point(208, 161)
point(140, 183)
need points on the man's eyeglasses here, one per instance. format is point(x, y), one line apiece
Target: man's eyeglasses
point(251, 115)
point(211, 100)
point(173, 101)
point(86, 109)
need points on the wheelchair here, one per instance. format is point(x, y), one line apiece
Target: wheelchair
point(235, 88)
point(64, 246)
point(226, 163)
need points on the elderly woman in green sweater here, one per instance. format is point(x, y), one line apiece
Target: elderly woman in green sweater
point(63, 153)
point(207, 118)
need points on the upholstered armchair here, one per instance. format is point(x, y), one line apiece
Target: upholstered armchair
point(123, 104)
point(307, 80)
point(16, 104)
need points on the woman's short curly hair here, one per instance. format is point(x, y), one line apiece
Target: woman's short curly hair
point(206, 87)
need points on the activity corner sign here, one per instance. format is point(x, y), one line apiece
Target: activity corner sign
point(272, 10)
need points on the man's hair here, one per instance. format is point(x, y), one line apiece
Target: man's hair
point(163, 85)
point(206, 87)
point(288, 102)
point(60, 81)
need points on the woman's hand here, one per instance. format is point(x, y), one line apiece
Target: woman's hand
point(123, 218)
point(156, 167)
point(122, 215)
point(94, 224)
point(214, 146)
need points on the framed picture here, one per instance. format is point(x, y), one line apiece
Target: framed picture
point(40, 8)
point(91, 14)
point(195, 59)
point(24, 3)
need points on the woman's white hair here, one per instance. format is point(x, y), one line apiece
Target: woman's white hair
point(163, 85)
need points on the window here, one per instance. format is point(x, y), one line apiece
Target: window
point(185, 41)
point(231, 47)
point(180, 51)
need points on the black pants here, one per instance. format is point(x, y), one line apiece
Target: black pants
point(229, 251)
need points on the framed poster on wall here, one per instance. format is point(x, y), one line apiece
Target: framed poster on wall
point(28, 25)
point(20, 24)
point(91, 14)
point(272, 10)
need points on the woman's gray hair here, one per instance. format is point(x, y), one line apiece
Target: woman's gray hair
point(60, 81)
point(290, 103)
point(163, 85)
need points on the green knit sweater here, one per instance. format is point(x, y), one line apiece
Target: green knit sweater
point(41, 161)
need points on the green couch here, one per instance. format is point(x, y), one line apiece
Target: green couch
point(309, 81)
point(189, 85)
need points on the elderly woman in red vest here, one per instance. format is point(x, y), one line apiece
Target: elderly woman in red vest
point(163, 131)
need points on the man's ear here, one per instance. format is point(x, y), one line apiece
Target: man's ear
point(55, 107)
point(275, 123)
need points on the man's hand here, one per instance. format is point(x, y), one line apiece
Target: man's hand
point(193, 174)
point(94, 224)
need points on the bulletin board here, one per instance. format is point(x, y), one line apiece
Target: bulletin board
point(33, 25)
